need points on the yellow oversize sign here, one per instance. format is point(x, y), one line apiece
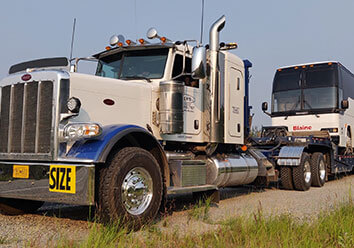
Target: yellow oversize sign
point(62, 178)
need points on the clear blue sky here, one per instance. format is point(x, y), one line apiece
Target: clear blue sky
point(270, 33)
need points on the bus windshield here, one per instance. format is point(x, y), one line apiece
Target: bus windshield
point(138, 64)
point(312, 89)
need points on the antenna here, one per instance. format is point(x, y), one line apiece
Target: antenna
point(201, 25)
point(135, 22)
point(72, 39)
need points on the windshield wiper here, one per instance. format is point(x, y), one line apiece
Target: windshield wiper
point(311, 108)
point(293, 109)
point(137, 77)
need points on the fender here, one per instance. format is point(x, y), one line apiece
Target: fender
point(99, 148)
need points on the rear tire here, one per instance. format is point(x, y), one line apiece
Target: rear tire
point(302, 174)
point(18, 206)
point(286, 178)
point(318, 169)
point(130, 188)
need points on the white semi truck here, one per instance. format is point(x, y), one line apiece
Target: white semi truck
point(157, 119)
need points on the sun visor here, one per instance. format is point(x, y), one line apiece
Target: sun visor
point(59, 62)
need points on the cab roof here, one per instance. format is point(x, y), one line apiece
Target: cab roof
point(306, 64)
point(133, 47)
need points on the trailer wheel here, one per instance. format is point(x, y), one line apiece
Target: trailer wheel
point(18, 206)
point(318, 169)
point(130, 188)
point(286, 178)
point(302, 174)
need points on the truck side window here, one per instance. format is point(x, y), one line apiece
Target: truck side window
point(177, 66)
point(177, 70)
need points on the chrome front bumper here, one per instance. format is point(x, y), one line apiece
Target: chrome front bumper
point(62, 183)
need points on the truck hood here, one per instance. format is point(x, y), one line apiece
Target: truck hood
point(130, 101)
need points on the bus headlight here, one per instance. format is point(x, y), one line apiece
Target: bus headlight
point(330, 130)
point(75, 131)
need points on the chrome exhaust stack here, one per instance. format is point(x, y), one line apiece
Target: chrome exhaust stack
point(216, 119)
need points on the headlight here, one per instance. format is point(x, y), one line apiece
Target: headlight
point(74, 105)
point(331, 130)
point(76, 131)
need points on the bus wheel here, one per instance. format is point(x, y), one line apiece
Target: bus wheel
point(302, 173)
point(18, 206)
point(318, 169)
point(130, 188)
point(286, 178)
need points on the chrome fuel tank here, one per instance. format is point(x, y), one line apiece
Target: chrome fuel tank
point(231, 170)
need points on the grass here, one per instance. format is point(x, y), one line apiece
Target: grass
point(334, 228)
point(200, 211)
point(3, 240)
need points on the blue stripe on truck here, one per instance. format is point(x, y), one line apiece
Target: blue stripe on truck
point(94, 149)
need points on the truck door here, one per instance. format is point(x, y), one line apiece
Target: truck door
point(192, 98)
point(236, 97)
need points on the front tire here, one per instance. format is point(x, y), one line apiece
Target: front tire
point(130, 188)
point(302, 175)
point(318, 169)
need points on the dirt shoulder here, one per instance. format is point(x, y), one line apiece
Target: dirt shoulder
point(55, 221)
point(273, 201)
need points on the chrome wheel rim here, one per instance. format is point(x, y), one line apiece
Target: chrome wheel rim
point(307, 172)
point(137, 190)
point(322, 170)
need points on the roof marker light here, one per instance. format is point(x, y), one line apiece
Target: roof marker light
point(120, 44)
point(130, 42)
point(296, 67)
point(311, 66)
point(108, 48)
point(142, 41)
point(304, 66)
point(330, 63)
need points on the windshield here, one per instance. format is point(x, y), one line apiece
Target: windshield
point(286, 101)
point(308, 89)
point(320, 98)
point(148, 64)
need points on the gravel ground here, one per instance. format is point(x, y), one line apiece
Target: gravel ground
point(54, 221)
point(244, 201)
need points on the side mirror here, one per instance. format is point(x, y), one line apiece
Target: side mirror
point(344, 104)
point(264, 106)
point(199, 63)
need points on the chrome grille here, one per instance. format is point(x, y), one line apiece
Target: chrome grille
point(26, 118)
